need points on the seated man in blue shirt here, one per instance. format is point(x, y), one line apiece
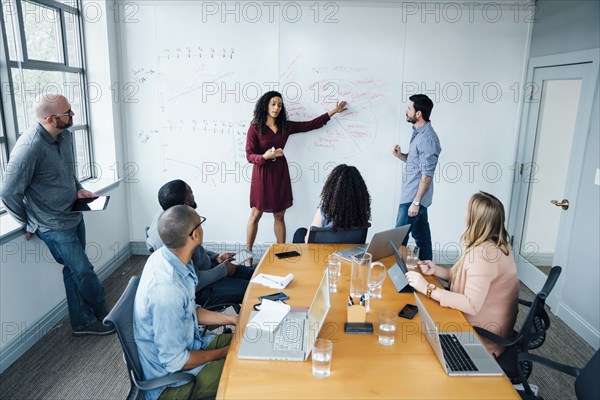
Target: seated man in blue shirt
point(166, 317)
point(219, 280)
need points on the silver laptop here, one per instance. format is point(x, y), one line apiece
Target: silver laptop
point(460, 353)
point(379, 246)
point(295, 336)
point(397, 272)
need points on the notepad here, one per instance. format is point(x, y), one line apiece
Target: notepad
point(270, 315)
point(273, 281)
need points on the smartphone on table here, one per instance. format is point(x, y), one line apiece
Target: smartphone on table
point(287, 254)
point(408, 311)
point(274, 296)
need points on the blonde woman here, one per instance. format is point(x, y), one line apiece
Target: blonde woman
point(483, 283)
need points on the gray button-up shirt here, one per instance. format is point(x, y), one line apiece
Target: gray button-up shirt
point(422, 159)
point(39, 185)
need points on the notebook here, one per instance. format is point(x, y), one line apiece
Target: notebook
point(459, 353)
point(379, 246)
point(397, 272)
point(294, 338)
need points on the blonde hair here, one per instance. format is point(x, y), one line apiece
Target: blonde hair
point(485, 223)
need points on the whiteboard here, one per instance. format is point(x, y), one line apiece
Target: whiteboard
point(199, 67)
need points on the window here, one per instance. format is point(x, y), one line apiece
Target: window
point(42, 52)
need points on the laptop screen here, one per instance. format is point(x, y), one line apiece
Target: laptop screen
point(318, 311)
point(399, 259)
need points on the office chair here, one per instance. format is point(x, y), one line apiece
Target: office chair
point(516, 361)
point(121, 316)
point(586, 382)
point(338, 236)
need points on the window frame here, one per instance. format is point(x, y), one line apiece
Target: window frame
point(10, 98)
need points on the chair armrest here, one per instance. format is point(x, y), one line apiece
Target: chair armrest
point(164, 380)
point(484, 333)
point(567, 369)
point(525, 302)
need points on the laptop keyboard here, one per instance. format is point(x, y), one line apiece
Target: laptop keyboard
point(290, 334)
point(456, 357)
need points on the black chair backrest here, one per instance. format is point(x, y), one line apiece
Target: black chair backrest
point(121, 316)
point(338, 236)
point(533, 330)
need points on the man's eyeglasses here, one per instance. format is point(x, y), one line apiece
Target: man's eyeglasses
point(65, 114)
point(202, 219)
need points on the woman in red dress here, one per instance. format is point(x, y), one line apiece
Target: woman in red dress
point(271, 187)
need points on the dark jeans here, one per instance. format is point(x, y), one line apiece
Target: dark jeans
point(419, 229)
point(85, 294)
point(229, 290)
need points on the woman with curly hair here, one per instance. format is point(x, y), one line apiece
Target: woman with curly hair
point(483, 283)
point(345, 202)
point(271, 187)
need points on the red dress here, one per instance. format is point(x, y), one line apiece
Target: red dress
point(271, 187)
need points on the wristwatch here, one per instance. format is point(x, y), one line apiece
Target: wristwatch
point(430, 288)
point(416, 203)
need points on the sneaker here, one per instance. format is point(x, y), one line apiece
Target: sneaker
point(96, 329)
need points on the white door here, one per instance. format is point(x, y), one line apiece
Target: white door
point(555, 126)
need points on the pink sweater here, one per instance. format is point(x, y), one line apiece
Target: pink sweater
point(486, 290)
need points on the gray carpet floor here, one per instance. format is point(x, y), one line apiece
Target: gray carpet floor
point(63, 367)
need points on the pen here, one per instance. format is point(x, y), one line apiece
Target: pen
point(350, 301)
point(272, 280)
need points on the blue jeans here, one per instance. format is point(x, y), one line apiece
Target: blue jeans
point(229, 290)
point(85, 294)
point(419, 229)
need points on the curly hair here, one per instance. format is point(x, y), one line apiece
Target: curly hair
point(345, 199)
point(261, 111)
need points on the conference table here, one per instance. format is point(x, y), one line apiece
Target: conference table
point(361, 368)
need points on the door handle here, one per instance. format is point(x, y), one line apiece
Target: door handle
point(564, 203)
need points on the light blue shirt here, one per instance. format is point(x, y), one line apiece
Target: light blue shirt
point(165, 324)
point(422, 159)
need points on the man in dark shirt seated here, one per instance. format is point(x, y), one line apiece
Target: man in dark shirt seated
point(219, 280)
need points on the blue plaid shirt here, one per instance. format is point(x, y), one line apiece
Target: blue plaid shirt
point(165, 325)
point(423, 154)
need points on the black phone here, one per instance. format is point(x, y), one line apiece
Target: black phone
point(408, 311)
point(274, 296)
point(287, 254)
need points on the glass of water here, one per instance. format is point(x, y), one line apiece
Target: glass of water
point(321, 358)
point(412, 256)
point(334, 259)
point(333, 270)
point(387, 327)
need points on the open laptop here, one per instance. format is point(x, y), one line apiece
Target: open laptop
point(460, 353)
point(379, 246)
point(295, 336)
point(397, 272)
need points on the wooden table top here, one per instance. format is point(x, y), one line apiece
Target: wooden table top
point(360, 367)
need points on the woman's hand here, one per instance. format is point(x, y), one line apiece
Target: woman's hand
point(341, 106)
point(427, 267)
point(273, 153)
point(417, 281)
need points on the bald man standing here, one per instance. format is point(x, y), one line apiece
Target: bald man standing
point(39, 189)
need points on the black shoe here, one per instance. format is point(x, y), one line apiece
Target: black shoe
point(100, 315)
point(95, 329)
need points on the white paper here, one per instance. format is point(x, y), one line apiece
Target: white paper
point(270, 315)
point(273, 281)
